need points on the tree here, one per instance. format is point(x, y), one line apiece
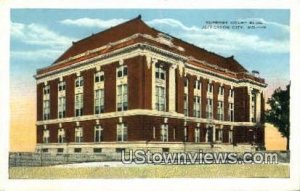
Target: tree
point(279, 114)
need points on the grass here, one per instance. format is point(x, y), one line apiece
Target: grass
point(157, 171)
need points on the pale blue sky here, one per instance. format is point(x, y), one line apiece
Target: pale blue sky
point(39, 36)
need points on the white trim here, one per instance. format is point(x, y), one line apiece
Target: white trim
point(134, 112)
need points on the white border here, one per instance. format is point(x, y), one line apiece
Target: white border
point(291, 183)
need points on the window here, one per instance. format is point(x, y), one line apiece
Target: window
point(221, 90)
point(160, 96)
point(60, 150)
point(99, 77)
point(197, 106)
point(78, 134)
point(79, 81)
point(46, 103)
point(197, 135)
point(61, 86)
point(219, 135)
point(122, 132)
point(122, 97)
point(122, 71)
point(197, 85)
point(97, 150)
point(231, 93)
point(46, 109)
point(46, 90)
point(61, 135)
point(231, 112)
point(154, 132)
point(164, 133)
point(61, 107)
point(230, 136)
point(98, 134)
point(77, 150)
point(78, 104)
point(99, 101)
point(185, 134)
point(209, 88)
point(186, 82)
point(220, 110)
point(46, 135)
point(185, 105)
point(209, 108)
point(160, 72)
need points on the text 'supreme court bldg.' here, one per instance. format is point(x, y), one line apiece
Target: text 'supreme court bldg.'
point(132, 86)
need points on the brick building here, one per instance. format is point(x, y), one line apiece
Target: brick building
point(132, 86)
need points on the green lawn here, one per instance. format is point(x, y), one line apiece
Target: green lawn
point(156, 171)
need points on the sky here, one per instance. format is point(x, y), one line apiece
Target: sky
point(40, 36)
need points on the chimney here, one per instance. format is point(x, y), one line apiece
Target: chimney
point(255, 73)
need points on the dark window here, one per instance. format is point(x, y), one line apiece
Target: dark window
point(60, 150)
point(97, 150)
point(165, 150)
point(44, 150)
point(77, 150)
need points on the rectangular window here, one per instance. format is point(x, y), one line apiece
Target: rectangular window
point(97, 150)
point(209, 108)
point(219, 135)
point(122, 97)
point(78, 134)
point(61, 107)
point(122, 132)
point(164, 133)
point(231, 112)
point(185, 134)
point(77, 150)
point(60, 150)
point(46, 90)
point(231, 93)
point(209, 88)
point(121, 71)
point(154, 132)
point(197, 106)
point(61, 135)
point(99, 77)
point(46, 109)
point(79, 81)
point(186, 82)
point(160, 72)
point(160, 96)
point(197, 135)
point(185, 105)
point(99, 101)
point(221, 90)
point(197, 85)
point(46, 135)
point(78, 104)
point(98, 134)
point(61, 86)
point(220, 110)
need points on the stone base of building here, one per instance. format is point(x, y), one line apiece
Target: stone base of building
point(109, 147)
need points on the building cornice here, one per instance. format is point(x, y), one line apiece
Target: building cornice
point(156, 51)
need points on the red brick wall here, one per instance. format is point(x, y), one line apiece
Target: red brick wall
point(70, 85)
point(135, 82)
point(226, 103)
point(39, 101)
point(147, 84)
point(226, 129)
point(53, 98)
point(204, 96)
point(179, 92)
point(215, 98)
point(241, 104)
point(39, 133)
point(88, 91)
point(110, 87)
